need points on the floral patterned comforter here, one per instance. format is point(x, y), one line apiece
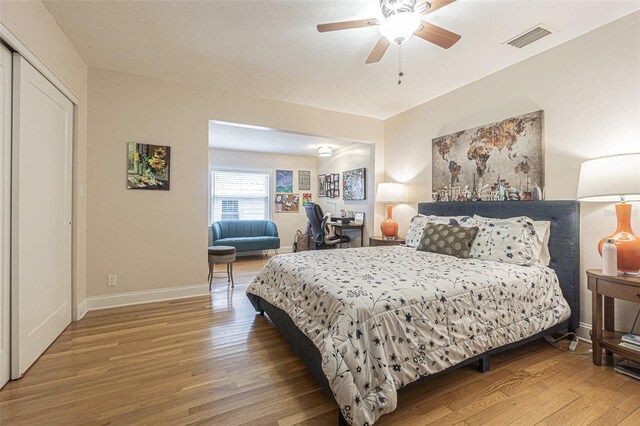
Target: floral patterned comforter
point(382, 317)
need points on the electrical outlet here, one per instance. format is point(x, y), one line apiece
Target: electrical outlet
point(112, 279)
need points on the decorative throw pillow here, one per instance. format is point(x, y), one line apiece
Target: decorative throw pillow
point(418, 222)
point(504, 240)
point(447, 239)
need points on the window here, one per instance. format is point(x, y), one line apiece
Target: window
point(237, 195)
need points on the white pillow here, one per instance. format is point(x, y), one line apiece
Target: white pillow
point(542, 228)
point(416, 227)
point(504, 240)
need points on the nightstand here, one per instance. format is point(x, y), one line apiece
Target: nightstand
point(380, 241)
point(603, 334)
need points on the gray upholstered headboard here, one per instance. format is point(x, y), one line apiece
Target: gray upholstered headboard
point(564, 240)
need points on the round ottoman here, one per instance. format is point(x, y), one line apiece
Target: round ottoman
point(221, 254)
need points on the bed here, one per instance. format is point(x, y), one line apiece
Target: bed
point(369, 321)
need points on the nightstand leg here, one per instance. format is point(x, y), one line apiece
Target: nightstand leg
point(609, 316)
point(596, 326)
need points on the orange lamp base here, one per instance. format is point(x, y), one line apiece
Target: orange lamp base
point(626, 241)
point(389, 227)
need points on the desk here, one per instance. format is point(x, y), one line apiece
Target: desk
point(339, 227)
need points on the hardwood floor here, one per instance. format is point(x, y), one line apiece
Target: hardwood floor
point(212, 360)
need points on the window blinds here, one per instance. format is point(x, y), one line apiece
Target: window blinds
point(239, 195)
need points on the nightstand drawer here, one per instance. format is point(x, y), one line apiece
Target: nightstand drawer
point(619, 291)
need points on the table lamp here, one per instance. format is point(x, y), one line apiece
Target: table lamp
point(615, 179)
point(390, 193)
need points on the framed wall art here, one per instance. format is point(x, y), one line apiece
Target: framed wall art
point(322, 185)
point(284, 181)
point(354, 184)
point(500, 161)
point(304, 180)
point(287, 203)
point(148, 166)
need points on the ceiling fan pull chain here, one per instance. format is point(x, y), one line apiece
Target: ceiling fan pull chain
point(400, 73)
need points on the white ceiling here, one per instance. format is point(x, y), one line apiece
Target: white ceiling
point(256, 139)
point(271, 49)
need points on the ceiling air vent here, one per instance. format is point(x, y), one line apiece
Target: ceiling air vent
point(529, 37)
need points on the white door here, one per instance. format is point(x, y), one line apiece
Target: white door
point(41, 215)
point(5, 212)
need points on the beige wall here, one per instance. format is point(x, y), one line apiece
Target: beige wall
point(155, 240)
point(351, 157)
point(589, 89)
point(31, 23)
point(287, 223)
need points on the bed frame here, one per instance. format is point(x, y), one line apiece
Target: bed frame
point(564, 247)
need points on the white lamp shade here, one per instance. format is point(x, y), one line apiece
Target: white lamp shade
point(610, 179)
point(390, 193)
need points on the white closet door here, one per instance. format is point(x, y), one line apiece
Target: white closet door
point(5, 213)
point(41, 215)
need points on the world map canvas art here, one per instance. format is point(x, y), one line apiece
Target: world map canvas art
point(500, 161)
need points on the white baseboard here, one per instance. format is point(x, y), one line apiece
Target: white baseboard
point(81, 310)
point(583, 332)
point(146, 296)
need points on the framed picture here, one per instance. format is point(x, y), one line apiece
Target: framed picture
point(278, 202)
point(306, 198)
point(322, 179)
point(354, 184)
point(304, 180)
point(287, 203)
point(358, 218)
point(336, 193)
point(284, 181)
point(500, 161)
point(148, 166)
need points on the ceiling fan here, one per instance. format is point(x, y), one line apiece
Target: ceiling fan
point(402, 19)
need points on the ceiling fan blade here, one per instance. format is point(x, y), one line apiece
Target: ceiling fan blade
point(378, 52)
point(437, 35)
point(435, 5)
point(347, 25)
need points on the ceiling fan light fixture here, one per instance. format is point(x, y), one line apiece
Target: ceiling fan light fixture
point(325, 151)
point(400, 26)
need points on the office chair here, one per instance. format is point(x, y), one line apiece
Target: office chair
point(319, 228)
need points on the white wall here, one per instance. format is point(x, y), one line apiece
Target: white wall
point(287, 223)
point(589, 89)
point(351, 157)
point(32, 24)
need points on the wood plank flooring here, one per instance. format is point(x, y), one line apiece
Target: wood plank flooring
point(212, 360)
